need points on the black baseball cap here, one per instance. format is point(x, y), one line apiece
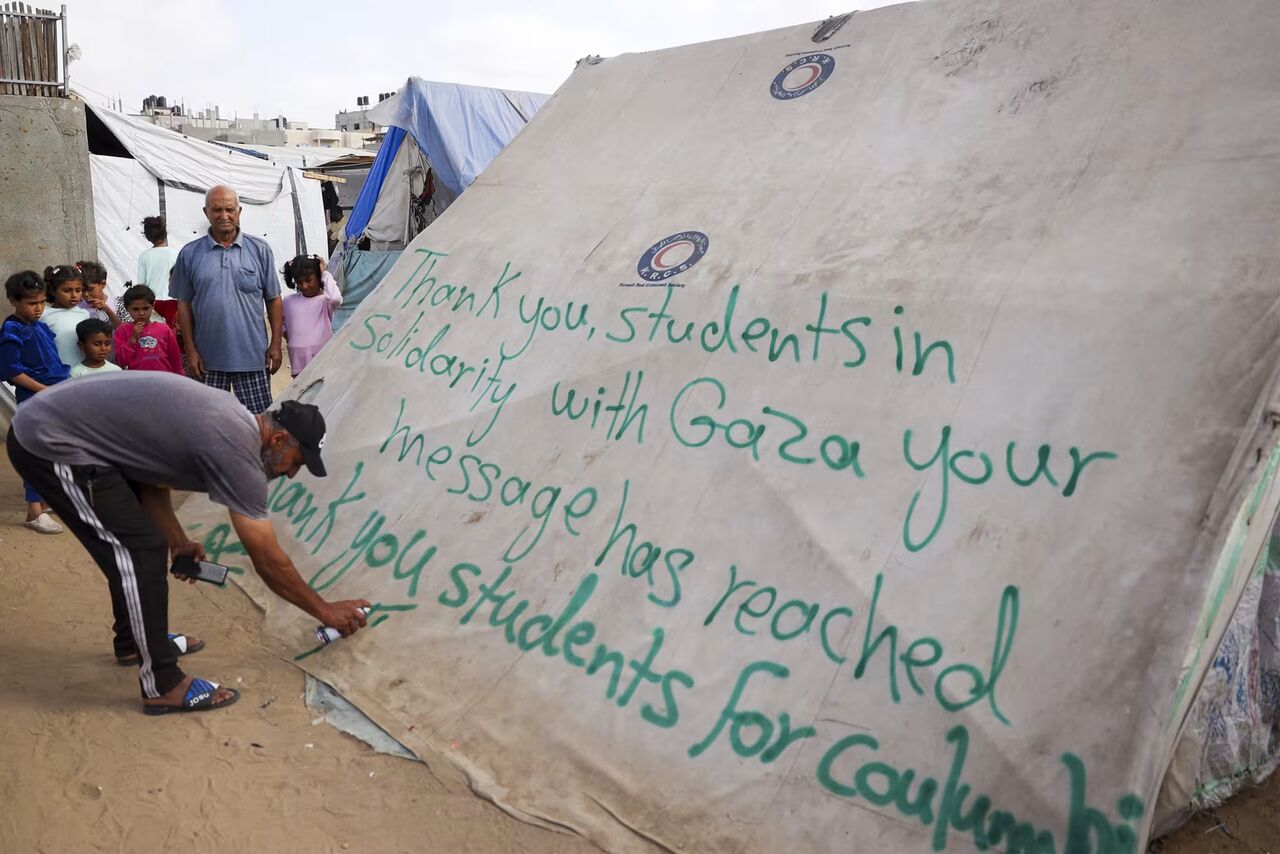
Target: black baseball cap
point(305, 424)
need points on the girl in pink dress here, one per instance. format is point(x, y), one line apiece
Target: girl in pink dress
point(308, 314)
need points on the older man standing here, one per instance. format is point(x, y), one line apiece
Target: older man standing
point(222, 280)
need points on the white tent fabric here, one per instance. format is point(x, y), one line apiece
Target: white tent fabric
point(169, 174)
point(124, 192)
point(302, 156)
point(193, 164)
point(389, 223)
point(804, 445)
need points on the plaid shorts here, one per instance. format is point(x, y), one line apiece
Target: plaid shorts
point(252, 388)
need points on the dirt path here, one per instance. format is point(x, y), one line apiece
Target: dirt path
point(1249, 822)
point(82, 769)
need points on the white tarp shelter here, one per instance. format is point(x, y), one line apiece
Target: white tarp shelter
point(142, 170)
point(301, 156)
point(846, 438)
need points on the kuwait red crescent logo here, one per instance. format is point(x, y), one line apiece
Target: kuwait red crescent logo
point(802, 76)
point(672, 255)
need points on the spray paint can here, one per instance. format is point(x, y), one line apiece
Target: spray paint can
point(327, 634)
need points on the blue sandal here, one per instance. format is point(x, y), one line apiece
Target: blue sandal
point(199, 698)
point(181, 645)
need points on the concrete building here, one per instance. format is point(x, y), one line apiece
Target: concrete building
point(45, 176)
point(210, 125)
point(356, 120)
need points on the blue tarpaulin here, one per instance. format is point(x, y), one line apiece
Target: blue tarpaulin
point(361, 271)
point(459, 128)
point(368, 197)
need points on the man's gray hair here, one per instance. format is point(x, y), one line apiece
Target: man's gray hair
point(273, 424)
point(212, 190)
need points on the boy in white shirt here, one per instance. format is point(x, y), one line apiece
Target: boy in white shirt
point(95, 343)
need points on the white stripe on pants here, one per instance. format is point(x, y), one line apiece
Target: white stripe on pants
point(124, 565)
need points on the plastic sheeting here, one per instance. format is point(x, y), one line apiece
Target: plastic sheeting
point(455, 130)
point(301, 156)
point(192, 164)
point(460, 128)
point(169, 174)
point(124, 192)
point(372, 187)
point(388, 219)
point(362, 270)
point(864, 446)
point(1232, 736)
point(341, 715)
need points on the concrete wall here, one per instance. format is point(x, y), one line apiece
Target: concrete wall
point(46, 204)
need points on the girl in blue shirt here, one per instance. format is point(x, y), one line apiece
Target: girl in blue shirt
point(29, 360)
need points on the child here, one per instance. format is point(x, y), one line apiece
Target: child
point(308, 314)
point(154, 266)
point(29, 360)
point(95, 344)
point(95, 293)
point(145, 344)
point(65, 285)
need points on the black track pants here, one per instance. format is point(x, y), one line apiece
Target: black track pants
point(102, 509)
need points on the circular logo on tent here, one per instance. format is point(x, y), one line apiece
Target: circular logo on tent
point(802, 76)
point(672, 255)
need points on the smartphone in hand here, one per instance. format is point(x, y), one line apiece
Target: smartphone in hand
point(188, 566)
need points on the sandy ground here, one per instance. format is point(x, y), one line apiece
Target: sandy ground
point(1249, 822)
point(82, 769)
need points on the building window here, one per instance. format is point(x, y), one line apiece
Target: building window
point(357, 127)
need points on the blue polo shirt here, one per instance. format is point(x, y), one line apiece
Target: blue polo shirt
point(228, 288)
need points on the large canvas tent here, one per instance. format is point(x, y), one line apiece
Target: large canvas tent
point(140, 170)
point(439, 137)
point(847, 437)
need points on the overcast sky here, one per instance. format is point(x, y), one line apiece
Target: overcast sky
point(309, 59)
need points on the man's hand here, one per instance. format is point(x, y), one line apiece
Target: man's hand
point(277, 571)
point(191, 549)
point(186, 322)
point(157, 503)
point(275, 321)
point(343, 615)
